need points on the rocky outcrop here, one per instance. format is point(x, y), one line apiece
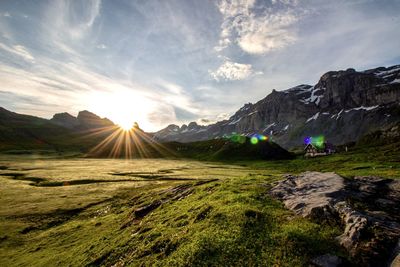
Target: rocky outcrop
point(85, 120)
point(367, 208)
point(343, 106)
point(90, 120)
point(185, 133)
point(65, 119)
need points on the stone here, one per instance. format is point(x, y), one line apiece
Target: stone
point(367, 208)
point(295, 193)
point(326, 260)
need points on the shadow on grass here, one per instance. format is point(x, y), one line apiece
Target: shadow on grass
point(42, 182)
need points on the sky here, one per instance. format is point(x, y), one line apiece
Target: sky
point(176, 61)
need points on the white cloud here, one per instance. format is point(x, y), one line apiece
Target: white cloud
point(223, 116)
point(222, 44)
point(233, 71)
point(256, 33)
point(6, 14)
point(18, 50)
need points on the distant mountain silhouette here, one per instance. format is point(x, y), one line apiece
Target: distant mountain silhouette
point(98, 137)
point(29, 132)
point(85, 120)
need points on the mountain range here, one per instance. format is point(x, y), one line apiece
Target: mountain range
point(100, 137)
point(343, 106)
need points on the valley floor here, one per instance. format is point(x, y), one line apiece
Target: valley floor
point(59, 212)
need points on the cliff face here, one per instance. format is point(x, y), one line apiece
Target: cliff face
point(342, 106)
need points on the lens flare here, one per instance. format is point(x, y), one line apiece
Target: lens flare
point(254, 140)
point(308, 140)
point(317, 141)
point(262, 137)
point(241, 139)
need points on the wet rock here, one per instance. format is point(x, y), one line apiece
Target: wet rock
point(326, 260)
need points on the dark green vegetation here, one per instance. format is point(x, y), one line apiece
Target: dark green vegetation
point(225, 149)
point(27, 132)
point(21, 134)
point(166, 212)
point(375, 159)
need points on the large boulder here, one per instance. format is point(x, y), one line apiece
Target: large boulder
point(367, 208)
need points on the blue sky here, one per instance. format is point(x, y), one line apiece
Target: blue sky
point(176, 61)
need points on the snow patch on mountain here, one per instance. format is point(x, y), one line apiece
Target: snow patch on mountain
point(299, 89)
point(314, 117)
point(235, 121)
point(395, 81)
point(313, 97)
point(382, 74)
point(269, 126)
point(362, 108)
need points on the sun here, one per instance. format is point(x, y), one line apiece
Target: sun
point(126, 125)
point(123, 107)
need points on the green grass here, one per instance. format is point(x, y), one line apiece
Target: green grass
point(205, 213)
point(367, 160)
point(229, 219)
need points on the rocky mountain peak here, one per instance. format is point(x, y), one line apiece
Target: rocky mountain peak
point(85, 120)
point(88, 119)
point(343, 106)
point(85, 114)
point(192, 125)
point(65, 119)
point(172, 127)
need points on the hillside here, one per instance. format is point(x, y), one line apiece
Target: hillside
point(227, 149)
point(62, 133)
point(100, 138)
point(19, 131)
point(343, 106)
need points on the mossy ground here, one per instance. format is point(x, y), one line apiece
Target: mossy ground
point(226, 219)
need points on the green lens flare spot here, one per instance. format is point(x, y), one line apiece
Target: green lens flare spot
point(254, 140)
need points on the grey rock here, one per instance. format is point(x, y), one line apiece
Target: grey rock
point(366, 207)
point(295, 193)
point(326, 260)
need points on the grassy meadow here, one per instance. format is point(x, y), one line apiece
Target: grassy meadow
point(70, 211)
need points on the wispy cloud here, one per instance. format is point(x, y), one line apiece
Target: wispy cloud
point(19, 51)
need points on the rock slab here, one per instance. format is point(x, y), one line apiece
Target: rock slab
point(367, 208)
